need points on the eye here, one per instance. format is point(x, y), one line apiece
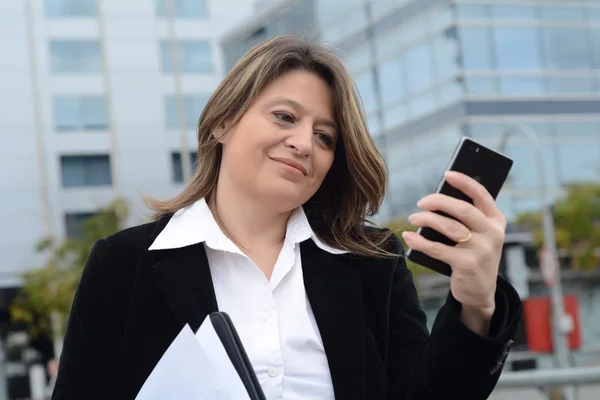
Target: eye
point(285, 117)
point(325, 138)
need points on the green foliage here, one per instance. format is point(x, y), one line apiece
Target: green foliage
point(398, 226)
point(577, 223)
point(49, 290)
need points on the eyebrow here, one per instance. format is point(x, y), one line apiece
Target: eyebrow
point(298, 107)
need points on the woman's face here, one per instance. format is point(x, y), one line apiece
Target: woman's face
point(283, 146)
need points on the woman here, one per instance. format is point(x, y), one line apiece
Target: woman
point(271, 229)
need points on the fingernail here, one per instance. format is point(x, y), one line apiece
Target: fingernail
point(410, 218)
point(407, 235)
point(421, 202)
point(450, 174)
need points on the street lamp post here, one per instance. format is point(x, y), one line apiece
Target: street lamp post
point(559, 318)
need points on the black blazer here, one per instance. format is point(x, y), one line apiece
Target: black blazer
point(131, 303)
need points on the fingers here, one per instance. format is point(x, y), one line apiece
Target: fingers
point(482, 199)
point(466, 213)
point(448, 227)
point(448, 254)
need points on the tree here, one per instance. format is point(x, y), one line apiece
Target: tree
point(577, 224)
point(44, 301)
point(398, 226)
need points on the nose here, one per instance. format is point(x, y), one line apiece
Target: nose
point(301, 140)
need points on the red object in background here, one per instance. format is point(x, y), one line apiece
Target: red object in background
point(538, 323)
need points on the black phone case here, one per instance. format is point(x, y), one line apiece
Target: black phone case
point(237, 354)
point(487, 166)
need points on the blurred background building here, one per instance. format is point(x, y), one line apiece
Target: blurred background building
point(90, 95)
point(430, 71)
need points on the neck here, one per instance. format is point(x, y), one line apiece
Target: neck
point(248, 222)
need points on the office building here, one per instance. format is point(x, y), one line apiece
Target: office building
point(431, 71)
point(98, 100)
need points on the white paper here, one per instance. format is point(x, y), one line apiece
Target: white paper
point(194, 367)
point(217, 355)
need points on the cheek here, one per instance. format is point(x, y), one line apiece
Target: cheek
point(241, 149)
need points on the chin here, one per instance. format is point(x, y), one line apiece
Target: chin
point(283, 198)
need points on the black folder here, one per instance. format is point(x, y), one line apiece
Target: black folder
point(237, 354)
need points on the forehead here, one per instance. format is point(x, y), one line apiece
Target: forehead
point(303, 87)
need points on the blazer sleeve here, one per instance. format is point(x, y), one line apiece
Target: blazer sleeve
point(89, 366)
point(452, 362)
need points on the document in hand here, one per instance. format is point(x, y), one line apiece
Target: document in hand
point(199, 366)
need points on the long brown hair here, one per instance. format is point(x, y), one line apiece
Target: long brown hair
point(355, 185)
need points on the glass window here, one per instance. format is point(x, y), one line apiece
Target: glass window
point(579, 160)
point(70, 8)
point(422, 104)
point(391, 80)
point(182, 8)
point(418, 63)
point(450, 92)
point(441, 16)
point(595, 46)
point(554, 13)
point(522, 85)
point(476, 47)
point(75, 56)
point(404, 35)
point(381, 8)
point(387, 44)
point(525, 174)
point(74, 223)
point(365, 84)
point(298, 19)
point(513, 11)
point(327, 10)
point(445, 55)
point(481, 84)
point(412, 31)
point(80, 113)
point(194, 56)
point(374, 124)
point(177, 166)
point(567, 48)
point(358, 60)
point(485, 130)
point(471, 10)
point(344, 25)
point(572, 84)
point(517, 48)
point(192, 108)
point(547, 129)
point(333, 32)
point(82, 171)
point(581, 128)
point(394, 115)
point(395, 156)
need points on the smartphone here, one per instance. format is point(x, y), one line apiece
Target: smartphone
point(488, 167)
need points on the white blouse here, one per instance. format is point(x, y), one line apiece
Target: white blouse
point(273, 318)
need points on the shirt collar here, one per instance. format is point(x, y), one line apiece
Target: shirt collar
point(196, 223)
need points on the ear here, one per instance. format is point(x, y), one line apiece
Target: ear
point(220, 133)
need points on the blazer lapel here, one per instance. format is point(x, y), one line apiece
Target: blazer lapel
point(184, 277)
point(334, 293)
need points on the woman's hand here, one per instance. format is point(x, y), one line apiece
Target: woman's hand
point(479, 233)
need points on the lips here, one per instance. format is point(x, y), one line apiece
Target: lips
point(292, 163)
